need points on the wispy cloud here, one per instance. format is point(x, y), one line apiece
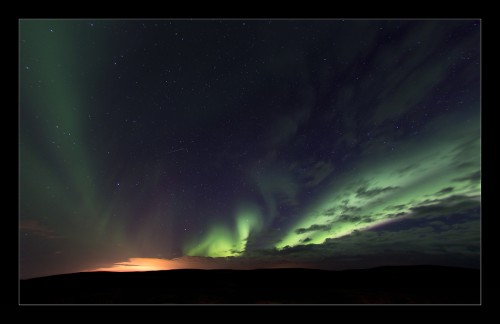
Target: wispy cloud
point(34, 227)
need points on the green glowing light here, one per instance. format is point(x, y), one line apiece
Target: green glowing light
point(220, 241)
point(383, 189)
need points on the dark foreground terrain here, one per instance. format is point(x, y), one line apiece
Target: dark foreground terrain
point(400, 285)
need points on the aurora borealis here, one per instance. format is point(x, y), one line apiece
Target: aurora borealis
point(241, 144)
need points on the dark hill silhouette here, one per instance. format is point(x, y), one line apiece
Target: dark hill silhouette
point(384, 285)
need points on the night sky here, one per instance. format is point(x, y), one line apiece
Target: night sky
point(333, 144)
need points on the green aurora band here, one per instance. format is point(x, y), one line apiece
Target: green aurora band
point(57, 107)
point(58, 168)
point(423, 172)
point(387, 187)
point(221, 242)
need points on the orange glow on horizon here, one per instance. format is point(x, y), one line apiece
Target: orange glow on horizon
point(189, 262)
point(143, 264)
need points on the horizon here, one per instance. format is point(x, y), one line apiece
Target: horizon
point(249, 268)
point(258, 269)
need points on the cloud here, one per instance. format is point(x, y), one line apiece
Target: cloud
point(311, 172)
point(277, 187)
point(409, 168)
point(473, 177)
point(34, 227)
point(369, 193)
point(396, 207)
point(419, 70)
point(444, 191)
point(466, 165)
point(313, 228)
point(350, 218)
point(442, 207)
point(350, 209)
point(395, 215)
point(460, 239)
point(329, 212)
point(286, 126)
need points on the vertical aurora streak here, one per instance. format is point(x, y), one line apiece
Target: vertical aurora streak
point(221, 241)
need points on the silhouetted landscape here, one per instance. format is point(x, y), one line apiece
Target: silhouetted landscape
point(384, 285)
